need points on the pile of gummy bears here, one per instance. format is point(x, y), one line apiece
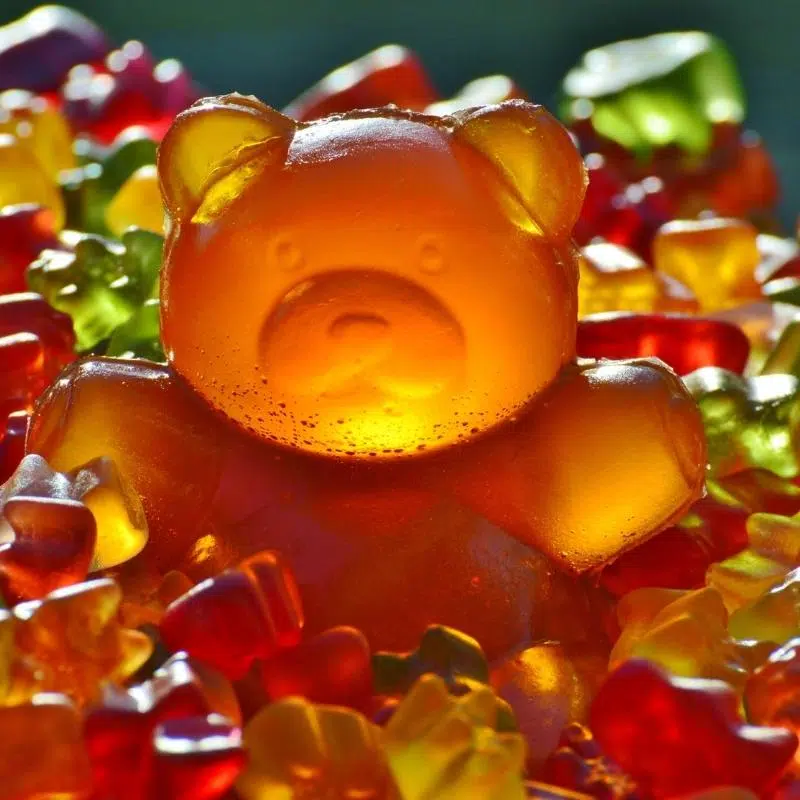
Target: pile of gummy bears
point(392, 446)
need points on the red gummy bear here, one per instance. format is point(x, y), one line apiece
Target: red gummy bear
point(36, 342)
point(128, 742)
point(390, 74)
point(241, 615)
point(685, 343)
point(195, 758)
point(333, 667)
point(25, 230)
point(680, 735)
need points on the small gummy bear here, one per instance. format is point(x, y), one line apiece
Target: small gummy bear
point(440, 746)
point(100, 283)
point(119, 731)
point(241, 615)
point(749, 422)
point(41, 750)
point(677, 735)
point(297, 749)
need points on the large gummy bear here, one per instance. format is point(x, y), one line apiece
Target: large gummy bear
point(370, 327)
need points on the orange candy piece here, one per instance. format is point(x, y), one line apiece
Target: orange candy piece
point(41, 750)
point(73, 640)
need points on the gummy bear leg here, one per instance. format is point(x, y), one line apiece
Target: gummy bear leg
point(610, 454)
point(163, 441)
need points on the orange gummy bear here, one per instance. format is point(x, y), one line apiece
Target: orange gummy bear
point(370, 326)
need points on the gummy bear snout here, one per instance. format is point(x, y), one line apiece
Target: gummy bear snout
point(362, 336)
point(366, 351)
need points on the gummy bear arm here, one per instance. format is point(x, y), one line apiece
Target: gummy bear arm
point(162, 440)
point(610, 454)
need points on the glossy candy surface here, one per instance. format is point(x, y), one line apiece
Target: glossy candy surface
point(377, 524)
point(683, 735)
point(403, 488)
point(685, 343)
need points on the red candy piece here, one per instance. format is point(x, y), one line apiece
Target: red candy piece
point(36, 342)
point(241, 615)
point(52, 547)
point(196, 758)
point(581, 766)
point(12, 443)
point(25, 230)
point(678, 557)
point(685, 343)
point(37, 50)
point(127, 90)
point(680, 735)
point(390, 74)
point(333, 667)
point(121, 733)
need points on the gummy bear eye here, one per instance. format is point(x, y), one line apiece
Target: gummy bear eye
point(431, 258)
point(287, 255)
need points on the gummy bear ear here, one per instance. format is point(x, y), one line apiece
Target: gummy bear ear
point(207, 138)
point(535, 155)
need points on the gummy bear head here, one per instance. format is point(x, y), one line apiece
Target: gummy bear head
point(371, 284)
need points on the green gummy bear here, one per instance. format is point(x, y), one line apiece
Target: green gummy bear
point(749, 422)
point(101, 283)
point(442, 651)
point(455, 657)
point(88, 189)
point(140, 336)
point(667, 89)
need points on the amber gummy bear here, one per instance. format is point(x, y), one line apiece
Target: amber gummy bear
point(383, 406)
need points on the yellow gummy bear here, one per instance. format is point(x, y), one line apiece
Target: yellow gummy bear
point(773, 551)
point(447, 748)
point(24, 180)
point(684, 632)
point(137, 203)
point(300, 750)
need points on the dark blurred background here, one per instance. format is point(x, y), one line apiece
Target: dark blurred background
point(277, 48)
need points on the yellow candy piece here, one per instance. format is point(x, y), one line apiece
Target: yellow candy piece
point(613, 278)
point(24, 180)
point(137, 203)
point(684, 632)
point(75, 642)
point(715, 258)
point(773, 551)
point(300, 750)
point(39, 127)
point(772, 617)
point(446, 748)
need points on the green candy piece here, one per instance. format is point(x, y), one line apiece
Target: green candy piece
point(784, 358)
point(749, 422)
point(667, 89)
point(443, 651)
point(132, 149)
point(102, 283)
point(783, 290)
point(140, 336)
point(88, 189)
